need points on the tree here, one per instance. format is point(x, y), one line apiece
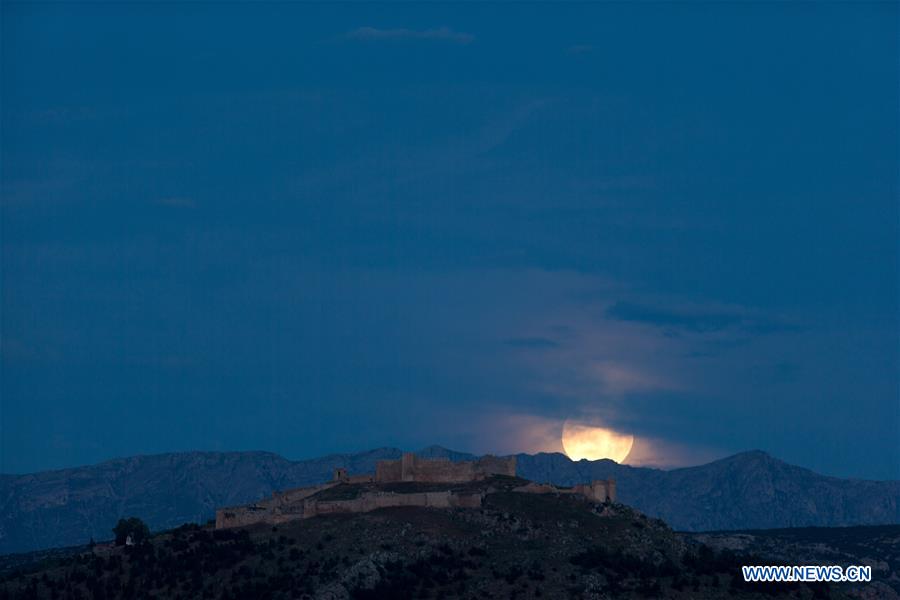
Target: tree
point(133, 527)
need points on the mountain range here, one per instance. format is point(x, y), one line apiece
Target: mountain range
point(750, 490)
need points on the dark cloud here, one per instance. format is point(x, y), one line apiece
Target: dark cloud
point(697, 320)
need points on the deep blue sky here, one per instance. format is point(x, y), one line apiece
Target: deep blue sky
point(311, 228)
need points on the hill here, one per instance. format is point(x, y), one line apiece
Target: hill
point(516, 546)
point(749, 490)
point(877, 546)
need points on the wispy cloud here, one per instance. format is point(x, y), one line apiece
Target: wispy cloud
point(698, 319)
point(439, 34)
point(619, 379)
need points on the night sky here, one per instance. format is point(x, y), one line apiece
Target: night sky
point(314, 228)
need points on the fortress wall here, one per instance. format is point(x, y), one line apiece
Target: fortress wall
point(537, 488)
point(441, 470)
point(371, 502)
point(438, 499)
point(408, 466)
point(495, 465)
point(387, 471)
point(374, 501)
point(368, 478)
point(591, 491)
point(300, 503)
point(474, 500)
point(412, 468)
point(294, 495)
point(433, 499)
point(240, 516)
point(599, 490)
point(333, 507)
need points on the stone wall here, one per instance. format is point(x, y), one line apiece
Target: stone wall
point(340, 476)
point(271, 513)
point(441, 470)
point(388, 470)
point(537, 488)
point(293, 495)
point(300, 503)
point(264, 511)
point(239, 516)
point(357, 479)
point(599, 490)
point(496, 465)
point(377, 500)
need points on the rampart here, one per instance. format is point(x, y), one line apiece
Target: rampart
point(375, 500)
point(240, 516)
point(340, 476)
point(441, 470)
point(600, 490)
point(306, 502)
point(287, 503)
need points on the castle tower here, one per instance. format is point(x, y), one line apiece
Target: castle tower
point(408, 467)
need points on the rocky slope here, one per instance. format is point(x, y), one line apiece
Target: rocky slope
point(748, 490)
point(877, 546)
point(515, 546)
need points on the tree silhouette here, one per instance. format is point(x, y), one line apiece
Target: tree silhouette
point(132, 526)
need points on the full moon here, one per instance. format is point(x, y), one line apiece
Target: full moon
point(593, 443)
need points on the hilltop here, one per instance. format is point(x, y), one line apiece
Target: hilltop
point(515, 546)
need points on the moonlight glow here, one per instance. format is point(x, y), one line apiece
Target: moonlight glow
point(593, 443)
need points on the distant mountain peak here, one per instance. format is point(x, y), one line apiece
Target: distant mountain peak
point(437, 451)
point(745, 458)
point(757, 454)
point(749, 490)
point(438, 448)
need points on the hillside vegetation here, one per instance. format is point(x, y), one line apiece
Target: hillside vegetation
point(516, 546)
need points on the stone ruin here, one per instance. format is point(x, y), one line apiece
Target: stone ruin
point(602, 490)
point(441, 470)
point(306, 502)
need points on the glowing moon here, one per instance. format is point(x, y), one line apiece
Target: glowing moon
point(593, 443)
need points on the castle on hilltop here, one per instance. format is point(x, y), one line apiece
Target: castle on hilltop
point(441, 470)
point(363, 493)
